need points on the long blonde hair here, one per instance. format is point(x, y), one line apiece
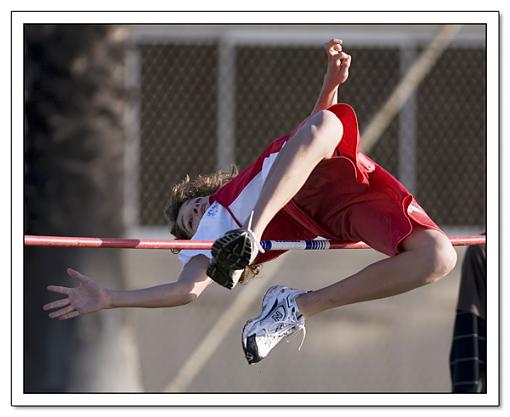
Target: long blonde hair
point(200, 186)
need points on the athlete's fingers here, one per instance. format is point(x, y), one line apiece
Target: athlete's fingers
point(56, 304)
point(334, 41)
point(334, 51)
point(59, 289)
point(345, 57)
point(333, 46)
point(61, 312)
point(69, 315)
point(76, 275)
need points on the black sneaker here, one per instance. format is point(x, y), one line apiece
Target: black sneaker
point(231, 253)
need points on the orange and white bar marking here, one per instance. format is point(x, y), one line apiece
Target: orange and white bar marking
point(317, 244)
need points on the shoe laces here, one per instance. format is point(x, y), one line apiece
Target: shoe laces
point(284, 328)
point(253, 236)
point(301, 327)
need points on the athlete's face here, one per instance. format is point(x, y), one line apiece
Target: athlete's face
point(190, 214)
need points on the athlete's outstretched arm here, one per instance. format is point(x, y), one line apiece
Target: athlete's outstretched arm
point(337, 73)
point(89, 296)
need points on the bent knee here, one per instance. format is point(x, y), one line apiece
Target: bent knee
point(440, 257)
point(326, 130)
point(434, 254)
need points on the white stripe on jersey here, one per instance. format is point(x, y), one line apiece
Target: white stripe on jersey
point(245, 202)
point(216, 221)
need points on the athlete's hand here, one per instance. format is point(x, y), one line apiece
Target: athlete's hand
point(88, 297)
point(338, 63)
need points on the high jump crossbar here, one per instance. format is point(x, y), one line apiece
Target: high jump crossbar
point(317, 244)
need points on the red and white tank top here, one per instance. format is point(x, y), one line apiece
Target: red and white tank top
point(232, 204)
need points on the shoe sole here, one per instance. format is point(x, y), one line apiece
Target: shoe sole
point(221, 275)
point(232, 253)
point(249, 344)
point(228, 255)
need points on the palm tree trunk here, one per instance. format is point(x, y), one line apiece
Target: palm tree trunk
point(74, 141)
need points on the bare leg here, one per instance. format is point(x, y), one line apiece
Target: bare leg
point(428, 256)
point(313, 142)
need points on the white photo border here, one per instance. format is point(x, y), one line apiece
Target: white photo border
point(488, 18)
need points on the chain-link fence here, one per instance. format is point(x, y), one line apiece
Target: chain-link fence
point(209, 101)
point(451, 138)
point(177, 120)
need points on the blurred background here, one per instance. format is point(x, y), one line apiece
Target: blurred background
point(114, 115)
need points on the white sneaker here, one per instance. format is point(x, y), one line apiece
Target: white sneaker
point(280, 317)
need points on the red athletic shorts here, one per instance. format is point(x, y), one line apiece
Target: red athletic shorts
point(350, 198)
